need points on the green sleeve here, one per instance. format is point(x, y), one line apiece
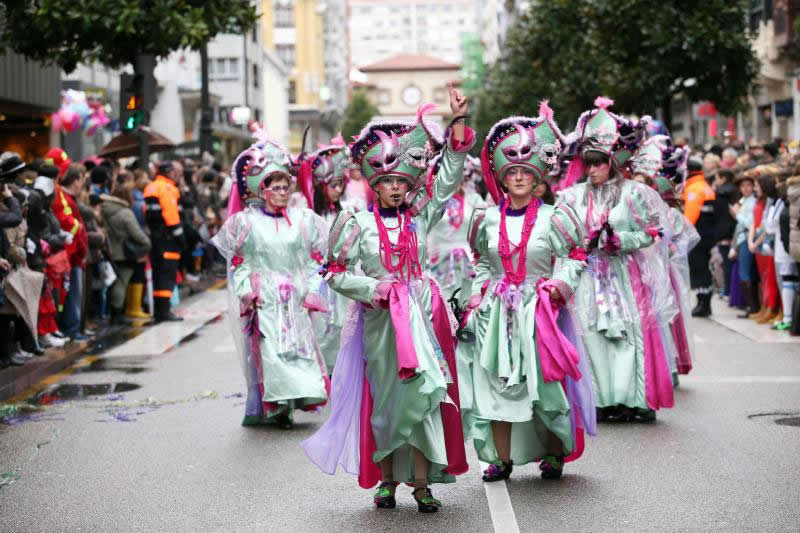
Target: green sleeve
point(564, 237)
point(641, 217)
point(343, 252)
point(479, 243)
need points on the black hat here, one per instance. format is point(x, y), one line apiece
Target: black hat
point(10, 164)
point(99, 175)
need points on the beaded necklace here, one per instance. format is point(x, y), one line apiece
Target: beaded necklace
point(516, 276)
point(406, 248)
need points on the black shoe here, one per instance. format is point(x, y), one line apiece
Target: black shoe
point(284, 420)
point(551, 467)
point(384, 498)
point(426, 504)
point(496, 473)
point(703, 307)
point(170, 317)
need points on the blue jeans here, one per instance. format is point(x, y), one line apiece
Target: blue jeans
point(747, 263)
point(70, 319)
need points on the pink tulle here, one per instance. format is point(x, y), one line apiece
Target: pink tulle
point(235, 203)
point(338, 140)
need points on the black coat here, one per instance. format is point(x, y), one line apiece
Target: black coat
point(42, 226)
point(724, 223)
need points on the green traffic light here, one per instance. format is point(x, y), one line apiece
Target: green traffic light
point(131, 123)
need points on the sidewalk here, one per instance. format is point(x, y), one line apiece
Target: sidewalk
point(726, 316)
point(196, 310)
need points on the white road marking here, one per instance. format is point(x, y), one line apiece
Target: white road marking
point(503, 517)
point(740, 379)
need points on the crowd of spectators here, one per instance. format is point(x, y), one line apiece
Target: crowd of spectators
point(754, 262)
point(75, 246)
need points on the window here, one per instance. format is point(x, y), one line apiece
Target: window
point(284, 13)
point(440, 95)
point(384, 97)
point(254, 33)
point(256, 80)
point(257, 115)
point(223, 68)
point(286, 54)
point(292, 92)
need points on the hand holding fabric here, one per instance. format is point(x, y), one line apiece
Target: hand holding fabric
point(381, 297)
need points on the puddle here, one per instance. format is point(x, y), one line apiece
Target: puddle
point(793, 421)
point(125, 365)
point(72, 391)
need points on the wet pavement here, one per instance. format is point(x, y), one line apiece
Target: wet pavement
point(141, 440)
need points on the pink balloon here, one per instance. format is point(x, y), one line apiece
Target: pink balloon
point(67, 117)
point(76, 122)
point(55, 121)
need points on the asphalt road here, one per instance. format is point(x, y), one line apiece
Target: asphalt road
point(163, 451)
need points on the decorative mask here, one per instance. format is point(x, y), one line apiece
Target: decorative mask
point(256, 163)
point(400, 149)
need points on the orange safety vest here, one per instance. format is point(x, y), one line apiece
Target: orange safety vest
point(162, 195)
point(695, 194)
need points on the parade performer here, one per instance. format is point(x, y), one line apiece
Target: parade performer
point(272, 280)
point(614, 300)
point(525, 391)
point(662, 164)
point(395, 415)
point(448, 247)
point(322, 180)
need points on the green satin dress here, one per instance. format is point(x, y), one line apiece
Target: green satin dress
point(275, 255)
point(405, 413)
point(499, 374)
point(604, 301)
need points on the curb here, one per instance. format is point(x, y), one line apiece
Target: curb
point(15, 380)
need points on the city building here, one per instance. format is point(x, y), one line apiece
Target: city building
point(399, 84)
point(29, 92)
point(309, 37)
point(384, 28)
point(496, 17)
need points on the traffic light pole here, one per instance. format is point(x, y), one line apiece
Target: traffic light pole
point(145, 65)
point(205, 104)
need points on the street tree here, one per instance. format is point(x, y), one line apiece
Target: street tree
point(640, 52)
point(115, 32)
point(358, 112)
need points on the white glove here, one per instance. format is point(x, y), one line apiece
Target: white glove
point(30, 246)
point(68, 236)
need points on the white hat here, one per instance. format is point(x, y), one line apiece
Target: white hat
point(45, 185)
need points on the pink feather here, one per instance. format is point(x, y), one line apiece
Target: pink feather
point(603, 102)
point(338, 140)
point(235, 203)
point(545, 111)
point(424, 109)
point(574, 172)
point(488, 174)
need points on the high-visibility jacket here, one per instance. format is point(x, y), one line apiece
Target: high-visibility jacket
point(698, 198)
point(162, 208)
point(65, 208)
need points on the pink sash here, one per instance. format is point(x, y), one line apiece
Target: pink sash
point(407, 362)
point(557, 356)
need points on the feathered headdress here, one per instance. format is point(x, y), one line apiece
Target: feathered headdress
point(533, 143)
